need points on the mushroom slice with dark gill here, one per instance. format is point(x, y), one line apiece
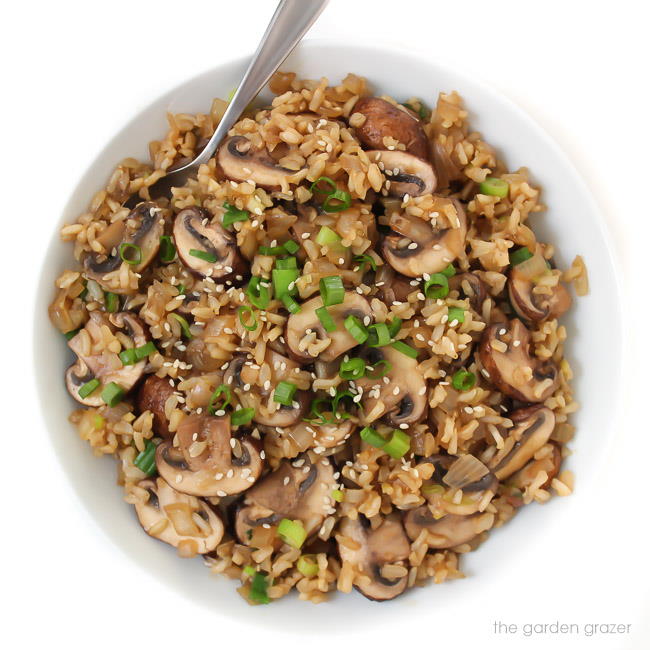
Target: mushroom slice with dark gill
point(419, 247)
point(178, 519)
point(240, 161)
point(206, 248)
point(471, 286)
point(505, 356)
point(448, 531)
point(532, 429)
point(407, 174)
point(402, 399)
point(205, 462)
point(549, 463)
point(142, 228)
point(384, 120)
point(153, 394)
point(298, 489)
point(380, 553)
point(300, 326)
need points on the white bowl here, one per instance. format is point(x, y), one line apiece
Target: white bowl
point(572, 223)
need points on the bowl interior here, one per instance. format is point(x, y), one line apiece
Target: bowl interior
point(572, 223)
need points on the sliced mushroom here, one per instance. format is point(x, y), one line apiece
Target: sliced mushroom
point(371, 551)
point(534, 306)
point(471, 285)
point(435, 248)
point(384, 120)
point(407, 174)
point(178, 519)
point(533, 428)
point(393, 286)
point(142, 227)
point(549, 463)
point(206, 248)
point(448, 531)
point(207, 460)
point(152, 396)
point(240, 161)
point(402, 399)
point(505, 356)
point(307, 435)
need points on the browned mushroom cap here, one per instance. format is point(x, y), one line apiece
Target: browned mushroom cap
point(208, 351)
point(381, 554)
point(178, 519)
point(504, 354)
point(142, 227)
point(205, 462)
point(533, 427)
point(383, 120)
point(297, 489)
point(434, 249)
point(550, 463)
point(241, 162)
point(448, 531)
point(300, 327)
point(402, 399)
point(153, 394)
point(534, 306)
point(307, 435)
point(393, 286)
point(407, 174)
point(218, 257)
point(471, 285)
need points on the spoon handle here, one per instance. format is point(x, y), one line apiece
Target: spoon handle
point(289, 23)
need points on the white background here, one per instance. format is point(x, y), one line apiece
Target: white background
point(73, 73)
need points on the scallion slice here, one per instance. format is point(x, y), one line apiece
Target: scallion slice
point(332, 290)
point(327, 237)
point(185, 326)
point(463, 380)
point(494, 187)
point(456, 314)
point(290, 304)
point(214, 405)
point(354, 368)
point(315, 187)
point(249, 571)
point(292, 532)
point(145, 461)
point(326, 319)
point(337, 495)
point(337, 201)
point(259, 587)
point(286, 263)
point(372, 437)
point(111, 302)
point(271, 250)
point(437, 286)
point(380, 369)
point(167, 251)
point(233, 214)
point(88, 388)
point(284, 392)
point(127, 356)
point(338, 398)
point(394, 326)
point(362, 260)
point(307, 565)
point(258, 293)
point(291, 246)
point(356, 328)
point(398, 444)
point(144, 351)
point(284, 281)
point(72, 333)
point(520, 255)
point(378, 335)
point(402, 347)
point(247, 318)
point(242, 416)
point(130, 253)
point(449, 271)
point(112, 394)
point(206, 256)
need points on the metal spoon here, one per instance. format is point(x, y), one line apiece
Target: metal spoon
point(289, 23)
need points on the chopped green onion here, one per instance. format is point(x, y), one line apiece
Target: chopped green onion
point(127, 357)
point(98, 421)
point(242, 416)
point(145, 350)
point(290, 304)
point(111, 302)
point(247, 318)
point(372, 437)
point(456, 314)
point(337, 495)
point(316, 410)
point(327, 237)
point(394, 326)
point(88, 388)
point(292, 532)
point(233, 214)
point(206, 256)
point(72, 333)
point(437, 286)
point(112, 394)
point(286, 263)
point(402, 347)
point(386, 367)
point(354, 368)
point(185, 326)
point(130, 253)
point(326, 319)
point(259, 294)
point(291, 246)
point(494, 187)
point(378, 335)
point(316, 189)
point(167, 251)
point(213, 405)
point(84, 293)
point(284, 281)
point(356, 328)
point(341, 395)
point(259, 586)
point(284, 392)
point(182, 290)
point(331, 290)
point(422, 112)
point(146, 459)
point(463, 380)
point(398, 444)
point(520, 255)
point(271, 250)
point(362, 260)
point(449, 271)
point(307, 565)
point(342, 198)
point(249, 570)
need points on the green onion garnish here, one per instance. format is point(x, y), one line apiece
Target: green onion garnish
point(456, 314)
point(167, 251)
point(327, 237)
point(286, 263)
point(292, 532)
point(339, 397)
point(146, 459)
point(355, 327)
point(206, 256)
point(233, 214)
point(242, 416)
point(249, 570)
point(182, 289)
point(362, 260)
point(72, 333)
point(394, 326)
point(337, 495)
point(463, 380)
point(354, 368)
point(145, 350)
point(378, 335)
point(284, 281)
point(130, 253)
point(316, 409)
point(291, 246)
point(402, 347)
point(520, 255)
point(337, 201)
point(398, 444)
point(284, 392)
point(449, 271)
point(127, 356)
point(271, 250)
point(258, 593)
point(290, 304)
point(112, 394)
point(111, 302)
point(331, 290)
point(185, 326)
point(326, 319)
point(88, 388)
point(437, 286)
point(259, 294)
point(494, 187)
point(247, 318)
point(307, 565)
point(316, 189)
point(213, 405)
point(372, 437)
point(385, 366)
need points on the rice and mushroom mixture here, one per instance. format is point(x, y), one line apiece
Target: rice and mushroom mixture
point(333, 359)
